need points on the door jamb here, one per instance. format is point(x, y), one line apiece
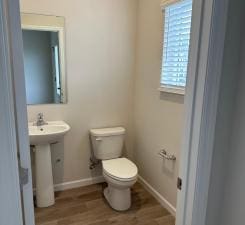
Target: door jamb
point(10, 207)
point(202, 95)
point(15, 112)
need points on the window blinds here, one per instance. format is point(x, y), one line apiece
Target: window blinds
point(177, 24)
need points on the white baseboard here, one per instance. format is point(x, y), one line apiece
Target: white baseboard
point(158, 196)
point(78, 183)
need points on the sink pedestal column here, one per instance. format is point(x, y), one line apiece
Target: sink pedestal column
point(44, 176)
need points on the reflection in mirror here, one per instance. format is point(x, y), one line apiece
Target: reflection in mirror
point(43, 59)
point(42, 72)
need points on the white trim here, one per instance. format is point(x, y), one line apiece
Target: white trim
point(78, 183)
point(41, 28)
point(41, 19)
point(166, 3)
point(172, 90)
point(164, 202)
point(184, 169)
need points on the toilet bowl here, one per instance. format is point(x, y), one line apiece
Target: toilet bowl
point(119, 173)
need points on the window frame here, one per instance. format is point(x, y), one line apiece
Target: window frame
point(168, 88)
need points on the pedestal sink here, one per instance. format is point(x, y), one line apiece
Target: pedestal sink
point(41, 137)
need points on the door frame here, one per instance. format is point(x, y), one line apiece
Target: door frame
point(9, 175)
point(201, 104)
point(18, 205)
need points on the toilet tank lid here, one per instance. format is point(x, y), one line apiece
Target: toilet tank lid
point(107, 131)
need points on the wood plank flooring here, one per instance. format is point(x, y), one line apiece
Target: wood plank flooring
point(87, 206)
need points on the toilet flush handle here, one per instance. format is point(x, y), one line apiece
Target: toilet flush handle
point(98, 139)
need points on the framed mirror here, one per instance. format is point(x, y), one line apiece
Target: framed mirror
point(44, 58)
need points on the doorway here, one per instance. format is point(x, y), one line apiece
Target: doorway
point(196, 96)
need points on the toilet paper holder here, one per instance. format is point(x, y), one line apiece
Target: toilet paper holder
point(167, 156)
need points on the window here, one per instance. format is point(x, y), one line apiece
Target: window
point(177, 24)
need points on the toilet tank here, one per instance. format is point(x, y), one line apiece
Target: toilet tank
point(107, 143)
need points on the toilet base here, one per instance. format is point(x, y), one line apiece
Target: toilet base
point(119, 199)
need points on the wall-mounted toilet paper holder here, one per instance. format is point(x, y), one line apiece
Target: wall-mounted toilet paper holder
point(167, 156)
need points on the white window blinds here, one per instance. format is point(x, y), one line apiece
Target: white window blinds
point(177, 24)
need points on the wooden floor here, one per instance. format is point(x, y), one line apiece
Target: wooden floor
point(87, 206)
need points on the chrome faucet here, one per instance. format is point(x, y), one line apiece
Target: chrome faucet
point(40, 120)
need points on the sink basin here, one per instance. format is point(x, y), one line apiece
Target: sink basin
point(47, 134)
point(41, 137)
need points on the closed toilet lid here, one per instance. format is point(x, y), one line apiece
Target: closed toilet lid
point(120, 168)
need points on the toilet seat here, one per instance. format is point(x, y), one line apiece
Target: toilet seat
point(120, 169)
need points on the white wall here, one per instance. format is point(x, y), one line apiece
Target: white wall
point(100, 59)
point(38, 67)
point(157, 117)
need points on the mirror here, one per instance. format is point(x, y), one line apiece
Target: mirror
point(44, 58)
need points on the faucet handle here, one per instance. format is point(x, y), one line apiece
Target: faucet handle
point(40, 120)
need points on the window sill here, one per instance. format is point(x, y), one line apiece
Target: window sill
point(172, 90)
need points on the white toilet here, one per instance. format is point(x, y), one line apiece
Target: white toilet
point(119, 173)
